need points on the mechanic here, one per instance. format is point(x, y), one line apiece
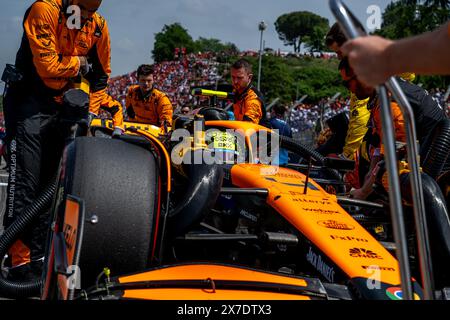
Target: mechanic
point(277, 122)
point(145, 103)
point(248, 102)
point(427, 114)
point(375, 59)
point(358, 115)
point(53, 53)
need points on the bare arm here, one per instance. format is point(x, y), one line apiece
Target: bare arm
point(375, 59)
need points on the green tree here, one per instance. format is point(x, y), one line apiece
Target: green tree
point(171, 37)
point(215, 45)
point(405, 18)
point(315, 41)
point(293, 27)
point(280, 78)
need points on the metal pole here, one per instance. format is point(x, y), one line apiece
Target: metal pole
point(395, 203)
point(423, 242)
point(262, 26)
point(352, 28)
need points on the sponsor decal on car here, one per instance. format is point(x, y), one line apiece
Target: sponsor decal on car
point(317, 262)
point(364, 253)
point(333, 224)
point(396, 293)
point(321, 211)
point(348, 238)
point(378, 268)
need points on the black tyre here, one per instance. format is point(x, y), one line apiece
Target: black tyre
point(118, 183)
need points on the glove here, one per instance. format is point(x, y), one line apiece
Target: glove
point(117, 132)
point(85, 67)
point(130, 112)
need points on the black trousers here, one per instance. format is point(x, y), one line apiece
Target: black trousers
point(35, 143)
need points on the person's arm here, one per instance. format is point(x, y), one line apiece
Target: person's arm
point(369, 180)
point(252, 110)
point(165, 110)
point(375, 59)
point(115, 108)
point(40, 29)
point(100, 57)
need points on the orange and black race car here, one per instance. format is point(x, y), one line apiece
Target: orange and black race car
point(138, 224)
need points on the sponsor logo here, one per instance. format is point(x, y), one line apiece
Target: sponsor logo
point(348, 238)
point(320, 202)
point(83, 45)
point(248, 215)
point(289, 175)
point(43, 36)
point(43, 27)
point(70, 234)
point(333, 224)
point(364, 253)
point(48, 54)
point(318, 263)
point(379, 229)
point(321, 211)
point(378, 268)
point(395, 293)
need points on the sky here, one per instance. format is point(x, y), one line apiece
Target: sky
point(134, 23)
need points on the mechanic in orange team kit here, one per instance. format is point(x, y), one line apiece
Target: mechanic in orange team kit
point(54, 51)
point(145, 103)
point(248, 102)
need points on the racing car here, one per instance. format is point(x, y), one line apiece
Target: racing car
point(158, 229)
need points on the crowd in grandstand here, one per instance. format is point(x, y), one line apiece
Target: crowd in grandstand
point(175, 78)
point(304, 117)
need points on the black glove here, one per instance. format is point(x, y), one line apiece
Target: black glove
point(130, 112)
point(85, 67)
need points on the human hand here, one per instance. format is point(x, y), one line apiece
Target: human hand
point(84, 65)
point(358, 194)
point(369, 60)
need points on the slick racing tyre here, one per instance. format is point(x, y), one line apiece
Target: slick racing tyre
point(118, 183)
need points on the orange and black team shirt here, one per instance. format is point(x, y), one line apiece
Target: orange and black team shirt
point(249, 106)
point(49, 50)
point(153, 108)
point(398, 121)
